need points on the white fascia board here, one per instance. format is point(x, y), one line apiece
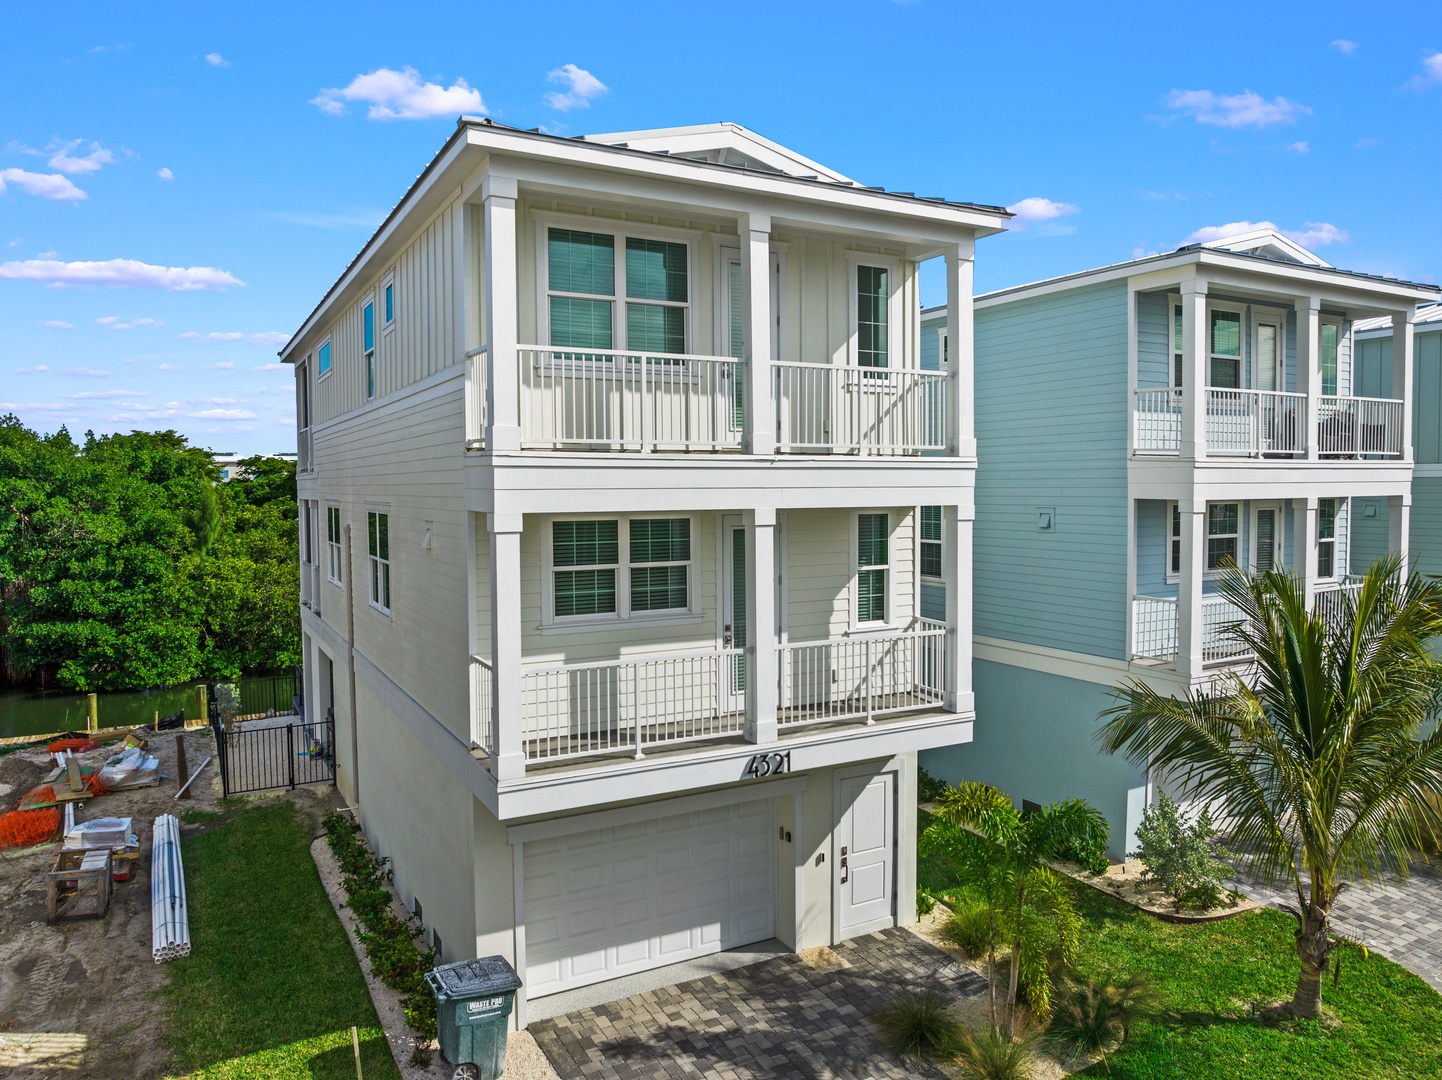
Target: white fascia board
point(703, 137)
point(1267, 238)
point(1083, 667)
point(1263, 478)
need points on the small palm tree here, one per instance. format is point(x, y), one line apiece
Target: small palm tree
point(1002, 853)
point(1317, 761)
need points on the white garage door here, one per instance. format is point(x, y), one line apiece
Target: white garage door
point(619, 900)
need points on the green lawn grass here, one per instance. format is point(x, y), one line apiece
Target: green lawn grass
point(1379, 1021)
point(272, 985)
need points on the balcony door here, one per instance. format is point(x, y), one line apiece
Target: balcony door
point(1266, 546)
point(734, 624)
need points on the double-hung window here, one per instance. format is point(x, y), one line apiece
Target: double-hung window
point(1226, 355)
point(368, 328)
point(1326, 538)
point(872, 325)
point(931, 542)
point(1329, 334)
point(1174, 554)
point(589, 557)
point(602, 286)
point(873, 567)
point(1223, 530)
point(335, 565)
point(378, 527)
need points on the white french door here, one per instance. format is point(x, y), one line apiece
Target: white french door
point(735, 627)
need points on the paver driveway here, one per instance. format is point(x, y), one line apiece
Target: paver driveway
point(779, 1018)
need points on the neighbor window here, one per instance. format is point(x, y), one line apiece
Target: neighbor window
point(335, 564)
point(1326, 538)
point(1222, 532)
point(1175, 556)
point(872, 566)
point(368, 321)
point(1177, 345)
point(390, 303)
point(1226, 367)
point(1328, 335)
point(588, 557)
point(871, 312)
point(323, 360)
point(931, 541)
point(585, 278)
point(378, 527)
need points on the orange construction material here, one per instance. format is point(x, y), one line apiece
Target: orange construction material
point(96, 786)
point(38, 798)
point(26, 828)
point(59, 746)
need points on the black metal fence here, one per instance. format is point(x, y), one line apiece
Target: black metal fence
point(259, 755)
point(262, 695)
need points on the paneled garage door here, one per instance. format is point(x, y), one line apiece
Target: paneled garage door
point(619, 900)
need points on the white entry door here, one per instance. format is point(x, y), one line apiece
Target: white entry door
point(866, 854)
point(627, 898)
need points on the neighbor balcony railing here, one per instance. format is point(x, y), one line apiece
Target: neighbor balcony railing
point(1359, 427)
point(1255, 422)
point(830, 408)
point(1155, 629)
point(483, 728)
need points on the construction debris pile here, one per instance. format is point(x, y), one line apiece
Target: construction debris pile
point(169, 922)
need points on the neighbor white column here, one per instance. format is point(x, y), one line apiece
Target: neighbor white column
point(956, 551)
point(1189, 588)
point(761, 625)
point(1309, 549)
point(1309, 369)
point(509, 762)
point(960, 348)
point(1196, 352)
point(1399, 525)
point(1402, 374)
point(503, 390)
point(757, 316)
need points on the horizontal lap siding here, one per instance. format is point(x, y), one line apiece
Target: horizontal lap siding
point(1154, 343)
point(1051, 415)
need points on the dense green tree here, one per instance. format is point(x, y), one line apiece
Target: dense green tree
point(102, 581)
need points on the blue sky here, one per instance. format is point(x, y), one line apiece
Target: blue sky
point(181, 183)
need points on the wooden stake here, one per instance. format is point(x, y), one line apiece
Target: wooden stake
point(204, 705)
point(355, 1042)
point(92, 710)
point(182, 770)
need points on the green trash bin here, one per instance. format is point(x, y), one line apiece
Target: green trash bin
point(473, 1009)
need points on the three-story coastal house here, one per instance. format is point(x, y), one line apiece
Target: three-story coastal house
point(612, 458)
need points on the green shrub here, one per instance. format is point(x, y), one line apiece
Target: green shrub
point(928, 787)
point(917, 1022)
point(1090, 854)
point(993, 1055)
point(925, 902)
point(1095, 1015)
point(1180, 856)
point(969, 927)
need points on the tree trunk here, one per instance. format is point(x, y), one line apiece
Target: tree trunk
point(1314, 948)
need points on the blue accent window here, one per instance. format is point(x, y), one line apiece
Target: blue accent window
point(323, 360)
point(390, 304)
point(368, 316)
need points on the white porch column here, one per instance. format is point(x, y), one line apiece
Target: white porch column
point(509, 762)
point(1189, 588)
point(960, 348)
point(1399, 525)
point(956, 552)
point(503, 390)
point(1195, 357)
point(1402, 373)
point(761, 625)
point(757, 317)
point(1309, 369)
point(1308, 540)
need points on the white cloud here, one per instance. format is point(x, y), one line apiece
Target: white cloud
point(581, 86)
point(1247, 109)
point(265, 337)
point(214, 59)
point(106, 320)
point(88, 373)
point(112, 322)
point(171, 367)
point(1299, 147)
point(224, 365)
point(270, 337)
point(1345, 47)
point(46, 185)
point(1039, 209)
point(1431, 72)
point(30, 370)
point(223, 414)
point(58, 324)
point(16, 242)
point(121, 273)
point(401, 95)
point(271, 367)
point(1315, 234)
point(233, 335)
point(64, 161)
point(165, 174)
point(86, 395)
point(360, 219)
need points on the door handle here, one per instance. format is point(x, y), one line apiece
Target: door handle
point(845, 871)
point(726, 636)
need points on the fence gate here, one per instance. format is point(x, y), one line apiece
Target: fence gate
point(275, 752)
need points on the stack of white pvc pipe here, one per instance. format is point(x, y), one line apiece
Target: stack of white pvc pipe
point(169, 922)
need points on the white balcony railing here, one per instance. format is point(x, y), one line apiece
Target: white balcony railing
point(1359, 427)
point(1255, 422)
point(477, 370)
point(1332, 598)
point(1155, 629)
point(611, 400)
point(831, 408)
point(576, 710)
point(483, 728)
point(859, 677)
point(1158, 421)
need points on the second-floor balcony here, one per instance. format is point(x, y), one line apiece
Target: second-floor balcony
point(1268, 423)
point(614, 400)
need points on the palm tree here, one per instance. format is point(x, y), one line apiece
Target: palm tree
point(1317, 759)
point(1001, 853)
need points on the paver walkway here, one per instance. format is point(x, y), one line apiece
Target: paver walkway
point(778, 1018)
point(1402, 920)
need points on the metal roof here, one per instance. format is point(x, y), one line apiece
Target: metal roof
point(1428, 315)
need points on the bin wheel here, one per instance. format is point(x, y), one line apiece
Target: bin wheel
point(467, 1072)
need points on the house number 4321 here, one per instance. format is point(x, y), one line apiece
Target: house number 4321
point(768, 765)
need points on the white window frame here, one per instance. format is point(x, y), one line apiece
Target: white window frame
point(1208, 536)
point(325, 344)
point(727, 252)
point(894, 312)
point(1336, 548)
point(335, 550)
point(373, 584)
point(388, 287)
point(890, 623)
point(1239, 310)
point(368, 357)
point(618, 231)
point(623, 613)
point(1176, 369)
point(1173, 537)
point(941, 544)
point(1279, 510)
point(1344, 385)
